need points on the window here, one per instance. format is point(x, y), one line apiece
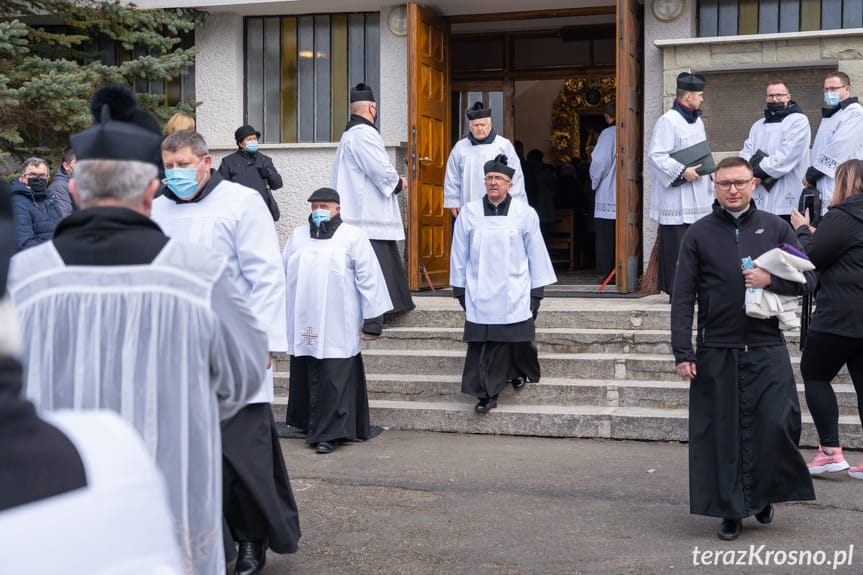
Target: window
point(733, 17)
point(299, 70)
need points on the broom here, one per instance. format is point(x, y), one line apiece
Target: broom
point(649, 281)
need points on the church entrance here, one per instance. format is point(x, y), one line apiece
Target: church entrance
point(548, 76)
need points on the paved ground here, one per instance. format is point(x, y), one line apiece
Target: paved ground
point(436, 503)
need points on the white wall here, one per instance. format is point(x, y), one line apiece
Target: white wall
point(534, 100)
point(304, 167)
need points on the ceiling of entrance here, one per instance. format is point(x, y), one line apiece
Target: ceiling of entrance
point(460, 7)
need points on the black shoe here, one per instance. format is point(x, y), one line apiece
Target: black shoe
point(325, 447)
point(729, 530)
point(486, 404)
point(251, 557)
point(518, 383)
point(765, 516)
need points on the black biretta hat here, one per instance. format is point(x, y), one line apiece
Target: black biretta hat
point(691, 82)
point(362, 93)
point(244, 132)
point(121, 132)
point(476, 112)
point(325, 195)
point(499, 165)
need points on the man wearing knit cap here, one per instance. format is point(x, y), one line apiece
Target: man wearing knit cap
point(499, 266)
point(680, 162)
point(251, 168)
point(335, 286)
point(116, 315)
point(464, 168)
point(369, 186)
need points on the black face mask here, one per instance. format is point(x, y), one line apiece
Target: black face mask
point(774, 107)
point(38, 185)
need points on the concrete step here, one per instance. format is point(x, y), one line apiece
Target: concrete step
point(575, 421)
point(549, 339)
point(554, 391)
point(602, 366)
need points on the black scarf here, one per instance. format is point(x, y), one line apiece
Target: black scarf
point(358, 121)
point(688, 114)
point(108, 236)
point(326, 229)
point(828, 112)
point(776, 116)
point(487, 140)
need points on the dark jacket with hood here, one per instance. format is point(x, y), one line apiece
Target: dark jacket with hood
point(60, 189)
point(836, 249)
point(36, 215)
point(709, 270)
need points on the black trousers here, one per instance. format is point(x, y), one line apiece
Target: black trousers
point(605, 240)
point(670, 238)
point(824, 354)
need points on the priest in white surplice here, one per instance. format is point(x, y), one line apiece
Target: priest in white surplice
point(233, 220)
point(464, 168)
point(499, 266)
point(369, 185)
point(680, 194)
point(778, 150)
point(335, 286)
point(115, 315)
point(838, 137)
point(68, 479)
point(603, 178)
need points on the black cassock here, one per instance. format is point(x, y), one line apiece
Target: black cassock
point(744, 427)
point(497, 354)
point(328, 398)
point(258, 501)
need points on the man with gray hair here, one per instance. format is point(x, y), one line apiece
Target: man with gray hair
point(116, 315)
point(199, 206)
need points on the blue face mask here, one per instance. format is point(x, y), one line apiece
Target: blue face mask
point(252, 146)
point(319, 216)
point(831, 99)
point(183, 181)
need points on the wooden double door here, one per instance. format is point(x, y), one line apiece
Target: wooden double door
point(436, 108)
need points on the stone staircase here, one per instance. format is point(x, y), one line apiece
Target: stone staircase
point(607, 371)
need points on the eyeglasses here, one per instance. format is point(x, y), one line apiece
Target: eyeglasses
point(498, 179)
point(739, 184)
point(40, 175)
point(775, 96)
point(833, 88)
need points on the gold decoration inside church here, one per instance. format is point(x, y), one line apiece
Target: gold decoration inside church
point(578, 96)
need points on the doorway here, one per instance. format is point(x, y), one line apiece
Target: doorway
point(518, 64)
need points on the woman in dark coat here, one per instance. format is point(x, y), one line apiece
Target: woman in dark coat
point(835, 336)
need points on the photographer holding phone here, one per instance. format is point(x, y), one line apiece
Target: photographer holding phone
point(835, 336)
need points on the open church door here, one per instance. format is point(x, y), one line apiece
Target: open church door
point(629, 144)
point(428, 147)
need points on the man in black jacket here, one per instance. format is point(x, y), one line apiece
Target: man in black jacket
point(744, 415)
point(252, 169)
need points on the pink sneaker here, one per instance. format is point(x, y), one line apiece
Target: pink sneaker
point(824, 463)
point(856, 472)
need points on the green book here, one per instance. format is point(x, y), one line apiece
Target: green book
point(692, 156)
